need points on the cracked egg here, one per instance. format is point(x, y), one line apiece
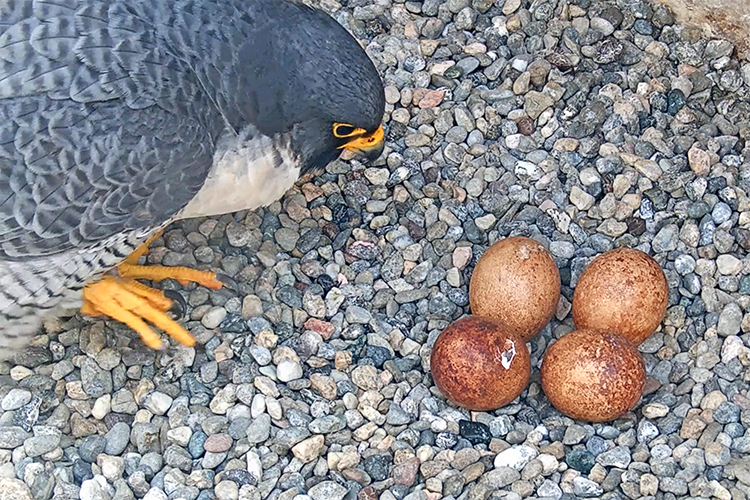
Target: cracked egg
point(480, 363)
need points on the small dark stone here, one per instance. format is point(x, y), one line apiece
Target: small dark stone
point(475, 432)
point(233, 323)
point(377, 354)
point(82, 471)
point(42, 486)
point(453, 72)
point(463, 443)
point(340, 214)
point(528, 416)
point(658, 197)
point(446, 440)
point(715, 473)
point(646, 121)
point(377, 466)
point(395, 131)
point(716, 183)
point(91, 447)
point(698, 209)
point(742, 236)
point(516, 436)
point(662, 16)
point(426, 437)
point(727, 412)
point(597, 445)
point(643, 27)
point(581, 460)
point(195, 445)
point(644, 149)
point(239, 476)
point(556, 434)
point(613, 15)
point(608, 51)
point(675, 101)
point(290, 296)
point(526, 125)
point(669, 424)
point(326, 282)
point(636, 225)
point(27, 416)
point(33, 356)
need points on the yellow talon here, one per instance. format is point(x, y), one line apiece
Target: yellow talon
point(133, 303)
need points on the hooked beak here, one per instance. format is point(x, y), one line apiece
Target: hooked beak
point(369, 145)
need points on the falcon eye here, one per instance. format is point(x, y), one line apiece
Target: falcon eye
point(342, 130)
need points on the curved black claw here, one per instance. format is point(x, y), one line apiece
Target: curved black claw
point(179, 306)
point(228, 282)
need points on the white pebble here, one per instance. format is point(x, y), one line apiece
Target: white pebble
point(581, 199)
point(515, 457)
point(728, 265)
point(180, 435)
point(155, 494)
point(288, 370)
point(102, 407)
point(732, 348)
point(158, 403)
point(254, 466)
point(214, 317)
point(97, 489)
point(258, 406)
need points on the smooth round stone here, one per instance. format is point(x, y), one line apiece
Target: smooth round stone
point(15, 399)
point(218, 443)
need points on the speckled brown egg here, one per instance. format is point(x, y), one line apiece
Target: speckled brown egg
point(517, 281)
point(623, 290)
point(593, 375)
point(480, 363)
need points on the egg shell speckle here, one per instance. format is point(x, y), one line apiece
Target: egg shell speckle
point(480, 363)
point(517, 281)
point(593, 375)
point(623, 290)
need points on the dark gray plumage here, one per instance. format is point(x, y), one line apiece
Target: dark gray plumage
point(115, 114)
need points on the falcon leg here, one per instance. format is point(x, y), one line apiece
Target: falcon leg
point(132, 303)
point(183, 275)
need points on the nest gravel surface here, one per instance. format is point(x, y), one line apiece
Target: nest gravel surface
point(585, 125)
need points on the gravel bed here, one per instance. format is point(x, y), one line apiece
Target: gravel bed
point(585, 125)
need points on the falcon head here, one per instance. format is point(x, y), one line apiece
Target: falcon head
point(313, 88)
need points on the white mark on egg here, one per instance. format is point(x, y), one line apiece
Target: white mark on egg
point(505, 356)
point(524, 252)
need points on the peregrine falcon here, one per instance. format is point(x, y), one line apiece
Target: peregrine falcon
point(118, 117)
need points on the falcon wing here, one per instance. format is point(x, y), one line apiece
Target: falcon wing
point(72, 175)
point(102, 129)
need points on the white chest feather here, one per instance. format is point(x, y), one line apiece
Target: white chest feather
point(244, 176)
